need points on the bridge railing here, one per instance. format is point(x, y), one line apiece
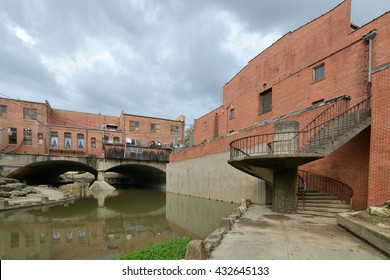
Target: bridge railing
point(138, 153)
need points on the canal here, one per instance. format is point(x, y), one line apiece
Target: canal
point(103, 225)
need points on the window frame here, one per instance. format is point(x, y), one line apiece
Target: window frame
point(265, 105)
point(53, 135)
point(27, 137)
point(80, 140)
point(232, 113)
point(319, 75)
point(154, 127)
point(134, 126)
point(30, 114)
point(13, 138)
point(3, 111)
point(67, 140)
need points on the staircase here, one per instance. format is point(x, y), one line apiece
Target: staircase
point(318, 203)
point(261, 154)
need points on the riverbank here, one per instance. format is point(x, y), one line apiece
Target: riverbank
point(42, 196)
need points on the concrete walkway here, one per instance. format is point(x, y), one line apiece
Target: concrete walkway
point(261, 234)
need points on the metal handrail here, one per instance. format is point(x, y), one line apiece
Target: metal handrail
point(335, 122)
point(334, 187)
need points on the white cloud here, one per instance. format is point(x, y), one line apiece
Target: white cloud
point(243, 43)
point(22, 35)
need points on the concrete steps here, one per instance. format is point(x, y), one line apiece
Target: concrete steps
point(318, 203)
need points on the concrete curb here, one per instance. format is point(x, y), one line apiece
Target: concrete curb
point(201, 249)
point(376, 236)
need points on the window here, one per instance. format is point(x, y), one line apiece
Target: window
point(13, 138)
point(3, 111)
point(29, 114)
point(231, 113)
point(54, 139)
point(93, 142)
point(154, 127)
point(266, 101)
point(67, 140)
point(174, 130)
point(27, 136)
point(319, 72)
point(134, 126)
point(204, 126)
point(80, 141)
point(40, 138)
point(117, 140)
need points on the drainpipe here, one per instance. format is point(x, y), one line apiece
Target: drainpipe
point(368, 38)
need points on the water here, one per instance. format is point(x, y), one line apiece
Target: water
point(103, 225)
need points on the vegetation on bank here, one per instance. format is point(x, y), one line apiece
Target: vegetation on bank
point(171, 250)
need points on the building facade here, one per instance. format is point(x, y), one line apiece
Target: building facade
point(37, 128)
point(298, 78)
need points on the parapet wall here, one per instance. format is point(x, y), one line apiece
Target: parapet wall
point(211, 177)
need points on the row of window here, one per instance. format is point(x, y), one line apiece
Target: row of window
point(28, 113)
point(154, 128)
point(68, 140)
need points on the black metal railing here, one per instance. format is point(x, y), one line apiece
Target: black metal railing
point(138, 153)
point(334, 122)
point(334, 187)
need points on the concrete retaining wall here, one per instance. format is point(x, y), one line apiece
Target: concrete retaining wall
point(213, 178)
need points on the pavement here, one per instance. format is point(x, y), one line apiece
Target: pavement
point(261, 234)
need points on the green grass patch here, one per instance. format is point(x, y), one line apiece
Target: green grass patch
point(171, 250)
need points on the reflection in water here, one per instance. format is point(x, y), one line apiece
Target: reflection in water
point(104, 225)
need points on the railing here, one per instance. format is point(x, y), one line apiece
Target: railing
point(138, 153)
point(335, 121)
point(333, 187)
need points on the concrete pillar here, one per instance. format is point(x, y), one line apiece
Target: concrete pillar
point(284, 199)
point(100, 184)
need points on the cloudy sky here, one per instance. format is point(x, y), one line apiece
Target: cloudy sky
point(159, 58)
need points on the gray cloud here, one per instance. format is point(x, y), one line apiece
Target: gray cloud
point(156, 58)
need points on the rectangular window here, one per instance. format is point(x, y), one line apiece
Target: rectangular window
point(134, 126)
point(27, 136)
point(80, 141)
point(319, 72)
point(93, 142)
point(266, 101)
point(154, 127)
point(117, 140)
point(13, 138)
point(40, 138)
point(67, 140)
point(174, 130)
point(29, 114)
point(3, 111)
point(54, 139)
point(231, 113)
point(204, 126)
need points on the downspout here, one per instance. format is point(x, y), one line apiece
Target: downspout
point(368, 38)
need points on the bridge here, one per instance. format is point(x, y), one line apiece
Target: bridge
point(137, 166)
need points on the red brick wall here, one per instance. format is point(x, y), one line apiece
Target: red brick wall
point(348, 164)
point(379, 176)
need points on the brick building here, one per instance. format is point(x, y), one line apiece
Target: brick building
point(37, 128)
point(326, 62)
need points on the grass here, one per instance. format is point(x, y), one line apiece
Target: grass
point(171, 250)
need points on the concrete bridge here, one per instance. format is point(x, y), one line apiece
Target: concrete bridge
point(46, 169)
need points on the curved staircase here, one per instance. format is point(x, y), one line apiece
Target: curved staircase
point(318, 203)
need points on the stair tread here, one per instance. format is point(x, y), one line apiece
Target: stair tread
point(325, 209)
